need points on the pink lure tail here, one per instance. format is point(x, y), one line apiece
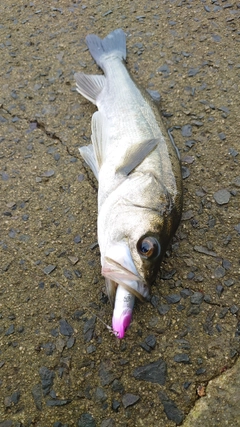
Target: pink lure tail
point(121, 323)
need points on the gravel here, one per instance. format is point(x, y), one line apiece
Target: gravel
point(155, 372)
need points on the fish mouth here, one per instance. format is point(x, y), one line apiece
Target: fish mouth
point(123, 284)
point(116, 274)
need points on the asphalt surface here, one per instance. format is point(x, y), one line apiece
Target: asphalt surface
point(59, 364)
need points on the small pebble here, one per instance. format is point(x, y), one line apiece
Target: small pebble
point(197, 298)
point(229, 282)
point(65, 328)
point(49, 269)
point(129, 399)
point(154, 372)
point(182, 358)
point(115, 405)
point(186, 130)
point(173, 299)
point(163, 309)
point(170, 408)
point(222, 197)
point(219, 290)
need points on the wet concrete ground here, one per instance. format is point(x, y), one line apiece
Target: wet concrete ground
point(59, 365)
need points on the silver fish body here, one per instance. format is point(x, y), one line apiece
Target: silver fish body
point(138, 169)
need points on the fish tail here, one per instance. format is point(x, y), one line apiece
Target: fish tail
point(113, 46)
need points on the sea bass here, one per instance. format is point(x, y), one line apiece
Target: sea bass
point(138, 170)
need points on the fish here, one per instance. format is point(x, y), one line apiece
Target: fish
point(138, 169)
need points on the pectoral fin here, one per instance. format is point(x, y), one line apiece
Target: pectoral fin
point(135, 155)
point(89, 86)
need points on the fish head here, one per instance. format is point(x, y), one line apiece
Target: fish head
point(134, 230)
point(130, 262)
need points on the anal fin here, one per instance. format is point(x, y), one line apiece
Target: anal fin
point(87, 154)
point(99, 137)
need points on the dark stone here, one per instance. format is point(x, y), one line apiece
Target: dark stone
point(49, 269)
point(208, 325)
point(78, 274)
point(65, 328)
point(145, 347)
point(193, 71)
point(219, 272)
point(70, 342)
point(106, 374)
point(77, 239)
point(163, 309)
point(108, 423)
point(154, 372)
point(58, 402)
point(154, 300)
point(182, 358)
point(219, 290)
point(200, 371)
point(187, 130)
point(187, 384)
point(15, 397)
point(167, 275)
point(164, 69)
point(223, 313)
point(115, 405)
point(117, 386)
point(173, 299)
point(222, 136)
point(222, 197)
point(68, 274)
point(197, 298)
point(6, 423)
point(190, 143)
point(150, 341)
point(193, 310)
point(47, 377)
point(88, 329)
point(170, 408)
point(37, 396)
point(129, 399)
point(204, 250)
point(226, 264)
point(49, 173)
point(49, 348)
point(185, 172)
point(86, 420)
point(229, 282)
point(91, 349)
point(10, 330)
point(100, 395)
point(186, 292)
point(234, 309)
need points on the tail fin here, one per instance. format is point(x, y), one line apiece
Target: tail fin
point(114, 46)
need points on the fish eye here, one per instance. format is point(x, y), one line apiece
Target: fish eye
point(148, 247)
